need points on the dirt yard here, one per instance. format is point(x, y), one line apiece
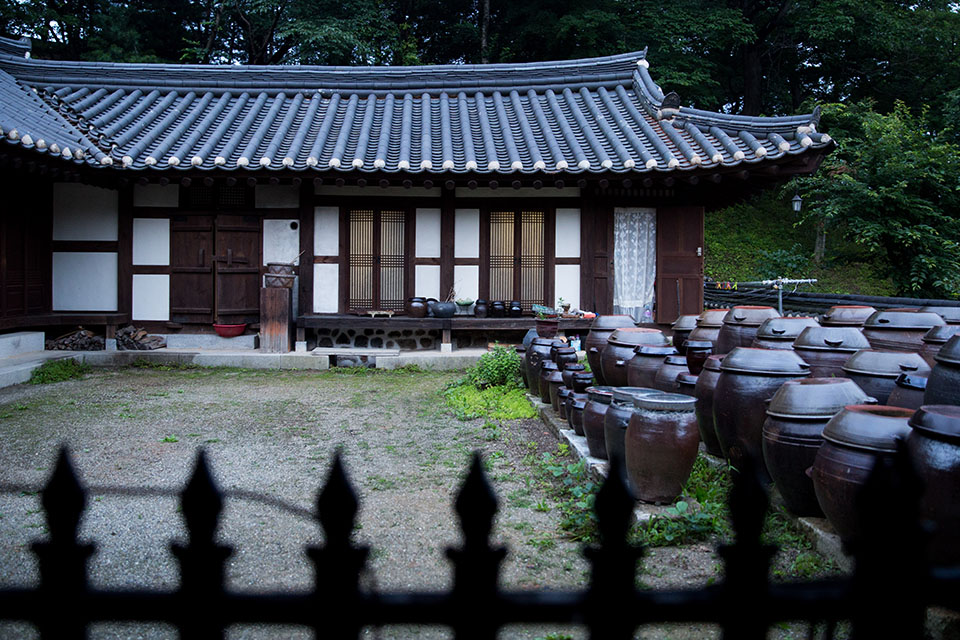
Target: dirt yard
point(270, 436)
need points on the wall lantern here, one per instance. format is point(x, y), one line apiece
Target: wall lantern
point(797, 202)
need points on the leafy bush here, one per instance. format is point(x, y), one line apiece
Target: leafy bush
point(499, 367)
point(498, 402)
point(786, 263)
point(58, 371)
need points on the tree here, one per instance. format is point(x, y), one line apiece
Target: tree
point(893, 187)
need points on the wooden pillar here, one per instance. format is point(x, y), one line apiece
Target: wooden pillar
point(276, 315)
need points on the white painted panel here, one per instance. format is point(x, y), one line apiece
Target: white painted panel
point(428, 233)
point(326, 288)
point(527, 192)
point(568, 233)
point(151, 241)
point(151, 297)
point(276, 196)
point(466, 233)
point(155, 195)
point(281, 241)
point(466, 281)
point(326, 231)
point(427, 283)
point(392, 192)
point(84, 281)
point(82, 212)
point(568, 284)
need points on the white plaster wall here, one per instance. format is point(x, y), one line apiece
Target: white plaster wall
point(427, 281)
point(276, 196)
point(509, 192)
point(568, 233)
point(466, 281)
point(151, 241)
point(392, 192)
point(326, 231)
point(326, 288)
point(281, 242)
point(428, 233)
point(151, 297)
point(84, 281)
point(155, 195)
point(466, 233)
point(82, 212)
point(568, 283)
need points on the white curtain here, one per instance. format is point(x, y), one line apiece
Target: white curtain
point(634, 261)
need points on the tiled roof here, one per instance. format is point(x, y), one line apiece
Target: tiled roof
point(594, 115)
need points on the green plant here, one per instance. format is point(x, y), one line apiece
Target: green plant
point(495, 403)
point(498, 367)
point(572, 489)
point(58, 371)
point(170, 439)
point(779, 263)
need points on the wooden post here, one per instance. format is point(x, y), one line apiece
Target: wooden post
point(276, 313)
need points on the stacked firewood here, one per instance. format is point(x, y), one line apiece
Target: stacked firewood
point(79, 340)
point(133, 339)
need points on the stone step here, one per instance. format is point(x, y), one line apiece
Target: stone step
point(355, 351)
point(209, 341)
point(20, 342)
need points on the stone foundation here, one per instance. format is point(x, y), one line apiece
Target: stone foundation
point(406, 339)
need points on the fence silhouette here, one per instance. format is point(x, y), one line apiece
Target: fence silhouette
point(885, 597)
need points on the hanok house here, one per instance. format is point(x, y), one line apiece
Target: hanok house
point(156, 194)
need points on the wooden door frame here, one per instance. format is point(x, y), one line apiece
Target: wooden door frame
point(377, 205)
point(549, 246)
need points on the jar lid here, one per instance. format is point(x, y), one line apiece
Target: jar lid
point(940, 334)
point(548, 364)
point(950, 352)
point(635, 336)
point(662, 401)
point(712, 318)
point(939, 420)
point(697, 344)
point(847, 314)
point(749, 315)
point(784, 328)
point(612, 322)
point(778, 362)
point(546, 342)
point(869, 427)
point(627, 394)
point(602, 394)
point(687, 379)
point(676, 360)
point(831, 339)
point(565, 349)
point(582, 375)
point(685, 323)
point(714, 361)
point(951, 315)
point(908, 381)
point(574, 366)
point(520, 348)
point(652, 350)
point(885, 364)
point(816, 398)
point(902, 320)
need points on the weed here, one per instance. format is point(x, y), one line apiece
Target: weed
point(499, 367)
point(410, 368)
point(143, 363)
point(380, 483)
point(542, 543)
point(170, 439)
point(497, 403)
point(58, 371)
point(555, 636)
point(542, 506)
point(574, 492)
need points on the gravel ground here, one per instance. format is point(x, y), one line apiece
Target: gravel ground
point(272, 434)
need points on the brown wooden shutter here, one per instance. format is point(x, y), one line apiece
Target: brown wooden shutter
point(679, 262)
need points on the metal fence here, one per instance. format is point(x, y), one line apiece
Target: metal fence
point(886, 596)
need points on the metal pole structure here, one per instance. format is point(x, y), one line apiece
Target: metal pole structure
point(778, 285)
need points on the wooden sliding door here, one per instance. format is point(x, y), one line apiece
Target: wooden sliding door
point(516, 258)
point(378, 259)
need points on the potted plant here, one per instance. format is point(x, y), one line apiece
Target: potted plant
point(464, 304)
point(547, 321)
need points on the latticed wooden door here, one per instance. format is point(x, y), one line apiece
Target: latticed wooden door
point(378, 259)
point(517, 256)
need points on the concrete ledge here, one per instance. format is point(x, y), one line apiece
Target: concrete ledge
point(20, 343)
point(209, 341)
point(433, 360)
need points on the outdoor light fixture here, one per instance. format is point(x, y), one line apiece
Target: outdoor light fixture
point(797, 202)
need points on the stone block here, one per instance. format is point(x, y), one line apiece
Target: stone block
point(20, 342)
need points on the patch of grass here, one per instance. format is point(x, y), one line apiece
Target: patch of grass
point(542, 543)
point(567, 483)
point(170, 439)
point(496, 403)
point(143, 363)
point(58, 371)
point(381, 483)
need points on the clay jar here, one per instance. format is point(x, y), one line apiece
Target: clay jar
point(555, 382)
point(563, 354)
point(646, 361)
point(943, 387)
point(749, 377)
point(709, 324)
point(740, 326)
point(686, 384)
point(575, 404)
point(876, 371)
point(594, 413)
point(950, 315)
point(521, 352)
point(696, 354)
point(615, 422)
point(682, 327)
point(417, 307)
point(620, 350)
point(481, 308)
point(666, 377)
point(792, 434)
point(826, 349)
point(548, 371)
point(899, 330)
point(908, 391)
point(934, 446)
point(563, 394)
point(853, 441)
point(660, 446)
point(779, 333)
point(497, 310)
point(934, 339)
point(538, 350)
point(568, 372)
point(703, 392)
point(515, 309)
point(596, 342)
point(846, 315)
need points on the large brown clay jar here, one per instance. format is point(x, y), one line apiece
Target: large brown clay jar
point(826, 349)
point(569, 371)
point(908, 391)
point(934, 339)
point(703, 392)
point(687, 384)
point(643, 366)
point(854, 439)
point(934, 446)
point(666, 377)
point(740, 326)
point(616, 420)
point(596, 342)
point(779, 333)
point(563, 355)
point(538, 350)
point(521, 352)
point(575, 404)
point(793, 433)
point(846, 315)
point(660, 446)
point(943, 386)
point(748, 378)
point(620, 350)
point(708, 328)
point(594, 413)
point(682, 327)
point(899, 330)
point(876, 371)
point(950, 315)
point(548, 372)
